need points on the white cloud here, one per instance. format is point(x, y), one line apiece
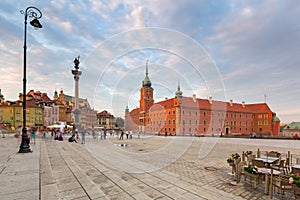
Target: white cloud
point(247, 12)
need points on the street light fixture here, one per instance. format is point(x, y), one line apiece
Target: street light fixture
point(31, 12)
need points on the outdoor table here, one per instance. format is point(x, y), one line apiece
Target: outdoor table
point(268, 160)
point(267, 172)
point(296, 168)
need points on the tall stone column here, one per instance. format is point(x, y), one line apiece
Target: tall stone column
point(76, 110)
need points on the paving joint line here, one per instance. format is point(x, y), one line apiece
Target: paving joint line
point(73, 173)
point(101, 172)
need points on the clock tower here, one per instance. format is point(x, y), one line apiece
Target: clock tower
point(146, 93)
point(146, 100)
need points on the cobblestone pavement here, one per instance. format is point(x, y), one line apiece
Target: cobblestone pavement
point(145, 168)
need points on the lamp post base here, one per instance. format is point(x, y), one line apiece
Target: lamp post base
point(24, 147)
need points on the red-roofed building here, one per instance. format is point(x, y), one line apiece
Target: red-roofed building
point(106, 120)
point(194, 116)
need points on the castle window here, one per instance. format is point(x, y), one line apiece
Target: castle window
point(266, 116)
point(266, 123)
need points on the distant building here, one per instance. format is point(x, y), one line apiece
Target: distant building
point(106, 120)
point(11, 113)
point(51, 114)
point(291, 129)
point(88, 116)
point(194, 116)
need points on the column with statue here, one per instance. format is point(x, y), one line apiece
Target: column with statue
point(76, 110)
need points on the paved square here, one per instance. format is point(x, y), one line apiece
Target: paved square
point(151, 167)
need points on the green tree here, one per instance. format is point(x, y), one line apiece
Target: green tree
point(119, 122)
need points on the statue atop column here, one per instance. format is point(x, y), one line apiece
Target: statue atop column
point(76, 62)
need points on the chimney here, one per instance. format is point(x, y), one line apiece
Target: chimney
point(194, 97)
point(243, 104)
point(231, 102)
point(210, 99)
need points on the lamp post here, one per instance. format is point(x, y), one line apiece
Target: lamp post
point(31, 12)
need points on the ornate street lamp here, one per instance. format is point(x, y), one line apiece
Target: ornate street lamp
point(31, 12)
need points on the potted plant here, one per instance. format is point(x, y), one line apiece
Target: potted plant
point(235, 156)
point(250, 169)
point(230, 161)
point(295, 179)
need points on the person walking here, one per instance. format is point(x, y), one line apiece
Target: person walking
point(121, 136)
point(104, 134)
point(127, 134)
point(82, 137)
point(33, 134)
point(94, 135)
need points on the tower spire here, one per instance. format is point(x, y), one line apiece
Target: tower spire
point(147, 67)
point(178, 93)
point(146, 81)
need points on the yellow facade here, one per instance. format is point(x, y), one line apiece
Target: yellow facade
point(13, 115)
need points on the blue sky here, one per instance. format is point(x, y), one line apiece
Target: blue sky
point(238, 50)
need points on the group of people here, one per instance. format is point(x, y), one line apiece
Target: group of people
point(128, 135)
point(57, 135)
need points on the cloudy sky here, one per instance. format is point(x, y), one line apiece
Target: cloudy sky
point(240, 50)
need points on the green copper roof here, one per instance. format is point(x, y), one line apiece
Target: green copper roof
point(292, 125)
point(146, 81)
point(276, 119)
point(178, 93)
